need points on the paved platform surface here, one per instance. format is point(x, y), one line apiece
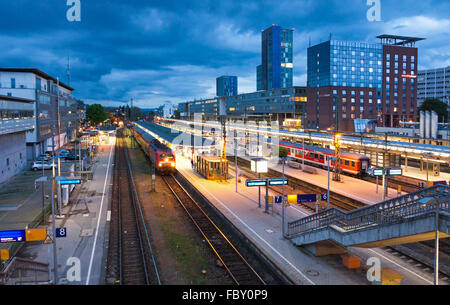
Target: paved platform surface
point(86, 225)
point(264, 230)
point(416, 173)
point(21, 200)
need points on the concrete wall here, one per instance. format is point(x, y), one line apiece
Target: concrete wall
point(13, 148)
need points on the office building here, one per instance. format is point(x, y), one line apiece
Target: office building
point(362, 81)
point(274, 105)
point(16, 119)
point(276, 66)
point(55, 110)
point(433, 83)
point(226, 86)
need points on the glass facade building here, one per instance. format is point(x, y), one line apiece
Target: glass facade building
point(346, 64)
point(277, 59)
point(226, 85)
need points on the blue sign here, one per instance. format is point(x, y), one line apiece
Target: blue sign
point(255, 182)
point(72, 181)
point(61, 232)
point(278, 199)
point(12, 236)
point(440, 182)
point(280, 181)
point(306, 198)
point(421, 185)
point(323, 197)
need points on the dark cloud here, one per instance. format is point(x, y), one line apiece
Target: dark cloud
point(155, 51)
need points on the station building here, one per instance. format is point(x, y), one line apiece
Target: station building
point(16, 119)
point(280, 105)
point(55, 109)
point(374, 82)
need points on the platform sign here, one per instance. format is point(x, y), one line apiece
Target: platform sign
point(394, 171)
point(255, 182)
point(323, 197)
point(61, 232)
point(375, 171)
point(278, 199)
point(440, 182)
point(278, 181)
point(306, 198)
point(421, 185)
point(70, 181)
point(12, 236)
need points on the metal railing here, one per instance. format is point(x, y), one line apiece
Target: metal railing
point(18, 268)
point(387, 212)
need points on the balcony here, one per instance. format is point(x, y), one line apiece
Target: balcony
point(16, 125)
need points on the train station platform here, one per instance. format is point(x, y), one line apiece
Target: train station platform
point(175, 138)
point(264, 230)
point(85, 219)
point(356, 189)
point(415, 172)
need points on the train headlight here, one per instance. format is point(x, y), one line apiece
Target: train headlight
point(159, 164)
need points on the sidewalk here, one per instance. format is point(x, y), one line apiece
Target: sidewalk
point(85, 221)
point(81, 219)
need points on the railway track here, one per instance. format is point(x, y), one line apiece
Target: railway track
point(421, 254)
point(130, 257)
point(239, 270)
point(407, 184)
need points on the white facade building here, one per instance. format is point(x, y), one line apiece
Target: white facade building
point(433, 83)
point(55, 110)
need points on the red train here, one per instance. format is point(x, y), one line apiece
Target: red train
point(351, 163)
point(161, 156)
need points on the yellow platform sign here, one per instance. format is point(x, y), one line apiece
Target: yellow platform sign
point(35, 234)
point(4, 254)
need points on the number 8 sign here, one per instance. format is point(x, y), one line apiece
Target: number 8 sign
point(61, 232)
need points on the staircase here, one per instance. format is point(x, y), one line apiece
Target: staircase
point(408, 218)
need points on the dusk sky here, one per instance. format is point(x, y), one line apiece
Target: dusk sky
point(154, 51)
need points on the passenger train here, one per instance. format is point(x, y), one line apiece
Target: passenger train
point(351, 163)
point(160, 155)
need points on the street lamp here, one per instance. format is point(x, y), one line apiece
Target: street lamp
point(427, 155)
point(328, 189)
point(337, 155)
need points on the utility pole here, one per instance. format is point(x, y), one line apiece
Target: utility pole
point(235, 159)
point(337, 155)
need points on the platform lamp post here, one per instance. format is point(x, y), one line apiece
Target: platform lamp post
point(436, 245)
point(283, 202)
point(337, 153)
point(328, 189)
point(427, 155)
point(235, 159)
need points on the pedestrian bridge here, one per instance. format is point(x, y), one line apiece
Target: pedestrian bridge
point(405, 219)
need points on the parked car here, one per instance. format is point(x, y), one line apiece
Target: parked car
point(71, 157)
point(36, 165)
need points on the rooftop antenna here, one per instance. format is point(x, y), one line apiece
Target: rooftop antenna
point(68, 70)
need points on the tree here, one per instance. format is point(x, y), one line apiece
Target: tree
point(176, 114)
point(437, 105)
point(283, 152)
point(96, 114)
